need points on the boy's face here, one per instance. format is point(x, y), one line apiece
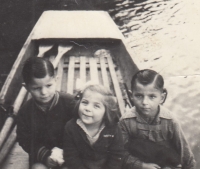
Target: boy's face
point(42, 89)
point(146, 99)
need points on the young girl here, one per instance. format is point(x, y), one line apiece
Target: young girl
point(151, 135)
point(92, 140)
point(41, 120)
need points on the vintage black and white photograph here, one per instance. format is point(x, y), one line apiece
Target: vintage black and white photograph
point(105, 84)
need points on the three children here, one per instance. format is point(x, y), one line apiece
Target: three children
point(92, 137)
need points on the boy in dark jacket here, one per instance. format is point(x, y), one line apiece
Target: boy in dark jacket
point(41, 120)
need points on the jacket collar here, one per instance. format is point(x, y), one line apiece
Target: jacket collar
point(51, 105)
point(82, 125)
point(132, 113)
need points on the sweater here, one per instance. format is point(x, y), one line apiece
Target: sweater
point(39, 131)
point(165, 131)
point(106, 153)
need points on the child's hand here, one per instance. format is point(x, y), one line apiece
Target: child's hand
point(51, 163)
point(57, 155)
point(150, 166)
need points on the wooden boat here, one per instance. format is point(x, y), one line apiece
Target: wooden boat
point(84, 45)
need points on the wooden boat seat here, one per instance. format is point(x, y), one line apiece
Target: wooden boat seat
point(98, 68)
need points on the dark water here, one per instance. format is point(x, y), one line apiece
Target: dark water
point(159, 33)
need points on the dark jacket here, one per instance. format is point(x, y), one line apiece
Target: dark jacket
point(106, 153)
point(38, 131)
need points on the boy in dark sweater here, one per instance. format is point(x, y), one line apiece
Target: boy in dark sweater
point(41, 120)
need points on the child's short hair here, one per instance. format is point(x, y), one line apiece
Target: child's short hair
point(36, 68)
point(111, 116)
point(146, 77)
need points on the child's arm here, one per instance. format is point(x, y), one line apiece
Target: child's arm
point(182, 147)
point(34, 148)
point(71, 153)
point(129, 160)
point(116, 151)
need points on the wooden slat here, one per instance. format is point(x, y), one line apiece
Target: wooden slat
point(76, 66)
point(70, 80)
point(116, 84)
point(93, 70)
point(17, 158)
point(43, 48)
point(59, 74)
point(51, 58)
point(83, 69)
point(104, 72)
point(8, 145)
point(62, 49)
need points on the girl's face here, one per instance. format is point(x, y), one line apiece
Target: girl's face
point(42, 89)
point(91, 109)
point(146, 99)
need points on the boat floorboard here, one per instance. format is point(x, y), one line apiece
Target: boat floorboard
point(17, 159)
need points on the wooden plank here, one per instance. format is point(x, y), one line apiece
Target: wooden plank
point(51, 58)
point(74, 25)
point(16, 159)
point(83, 69)
point(8, 145)
point(59, 75)
point(9, 121)
point(93, 70)
point(116, 84)
point(70, 80)
point(64, 81)
point(76, 66)
point(43, 48)
point(104, 72)
point(123, 88)
point(62, 49)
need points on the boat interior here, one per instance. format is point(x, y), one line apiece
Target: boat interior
point(76, 61)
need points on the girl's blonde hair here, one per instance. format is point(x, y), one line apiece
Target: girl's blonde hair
point(112, 115)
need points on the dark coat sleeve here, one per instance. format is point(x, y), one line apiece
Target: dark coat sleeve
point(182, 147)
point(129, 161)
point(23, 131)
point(36, 150)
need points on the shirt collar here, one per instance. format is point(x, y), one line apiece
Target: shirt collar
point(82, 125)
point(131, 113)
point(51, 105)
